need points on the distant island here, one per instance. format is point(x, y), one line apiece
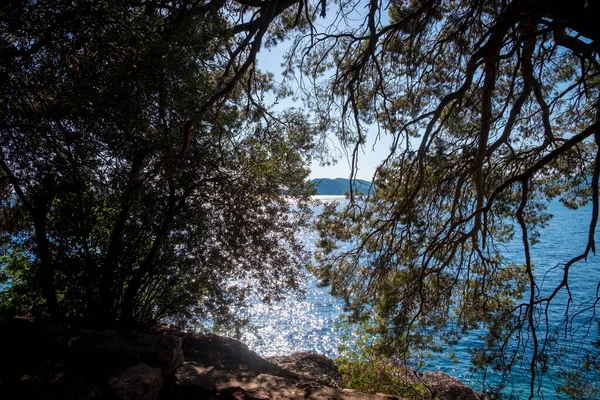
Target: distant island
point(339, 186)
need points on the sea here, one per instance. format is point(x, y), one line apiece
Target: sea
point(311, 323)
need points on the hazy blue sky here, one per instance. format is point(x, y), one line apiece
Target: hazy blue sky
point(270, 60)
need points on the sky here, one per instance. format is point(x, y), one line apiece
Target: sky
point(371, 154)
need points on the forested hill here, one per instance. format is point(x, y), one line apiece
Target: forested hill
point(338, 186)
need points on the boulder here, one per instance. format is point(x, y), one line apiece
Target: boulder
point(169, 353)
point(316, 367)
point(139, 382)
point(227, 354)
point(195, 381)
point(122, 348)
point(61, 361)
point(445, 387)
point(192, 381)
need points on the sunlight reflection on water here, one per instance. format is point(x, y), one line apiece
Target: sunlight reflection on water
point(297, 324)
point(308, 324)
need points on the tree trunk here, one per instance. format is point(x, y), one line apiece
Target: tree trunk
point(107, 302)
point(128, 305)
point(46, 272)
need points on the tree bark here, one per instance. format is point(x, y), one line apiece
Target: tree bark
point(107, 301)
point(46, 271)
point(128, 305)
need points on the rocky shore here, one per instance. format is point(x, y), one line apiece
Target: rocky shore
point(42, 361)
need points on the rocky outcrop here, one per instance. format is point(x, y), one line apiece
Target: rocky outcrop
point(218, 367)
point(139, 382)
point(162, 351)
point(60, 362)
point(315, 367)
point(224, 353)
point(445, 387)
point(193, 380)
point(103, 346)
point(53, 361)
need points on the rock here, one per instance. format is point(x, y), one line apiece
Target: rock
point(192, 380)
point(446, 387)
point(196, 381)
point(169, 353)
point(139, 382)
point(58, 361)
point(227, 354)
point(316, 367)
point(163, 351)
point(61, 361)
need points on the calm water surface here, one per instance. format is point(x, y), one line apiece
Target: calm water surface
point(308, 324)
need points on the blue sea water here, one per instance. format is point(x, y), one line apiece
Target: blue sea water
point(309, 323)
